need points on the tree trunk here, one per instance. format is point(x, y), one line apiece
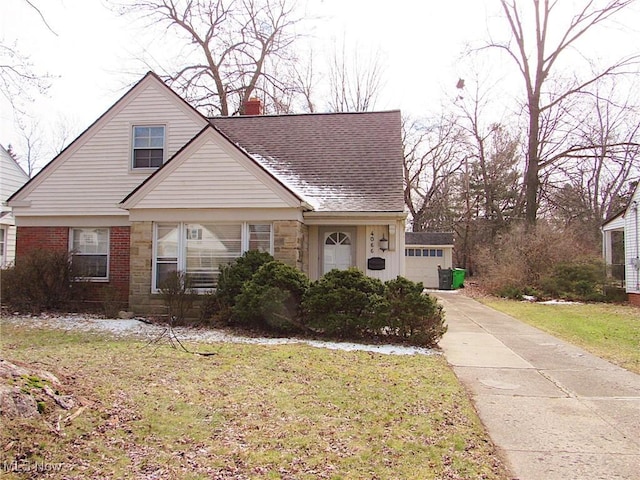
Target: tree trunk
point(532, 180)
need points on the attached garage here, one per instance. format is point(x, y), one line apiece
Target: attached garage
point(424, 253)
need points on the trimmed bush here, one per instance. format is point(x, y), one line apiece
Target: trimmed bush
point(344, 303)
point(272, 298)
point(219, 303)
point(41, 280)
point(410, 314)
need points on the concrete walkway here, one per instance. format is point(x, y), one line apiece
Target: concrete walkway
point(555, 411)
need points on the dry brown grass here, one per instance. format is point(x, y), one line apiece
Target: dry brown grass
point(249, 412)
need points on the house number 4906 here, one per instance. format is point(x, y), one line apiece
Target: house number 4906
point(372, 238)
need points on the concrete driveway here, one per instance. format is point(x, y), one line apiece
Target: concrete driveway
point(555, 411)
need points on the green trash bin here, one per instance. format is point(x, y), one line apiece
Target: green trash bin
point(458, 278)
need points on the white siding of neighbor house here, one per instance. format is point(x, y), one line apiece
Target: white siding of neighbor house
point(9, 255)
point(211, 174)
point(12, 177)
point(632, 244)
point(94, 174)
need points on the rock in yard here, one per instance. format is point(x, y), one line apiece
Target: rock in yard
point(15, 403)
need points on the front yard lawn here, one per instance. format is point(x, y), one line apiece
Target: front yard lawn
point(248, 412)
point(609, 331)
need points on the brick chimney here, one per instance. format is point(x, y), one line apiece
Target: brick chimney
point(253, 106)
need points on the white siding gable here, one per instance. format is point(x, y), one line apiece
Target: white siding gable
point(94, 174)
point(632, 243)
point(12, 177)
point(211, 173)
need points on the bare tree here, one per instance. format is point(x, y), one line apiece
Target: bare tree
point(355, 80)
point(36, 145)
point(303, 82)
point(433, 156)
point(31, 145)
point(592, 182)
point(230, 45)
point(62, 133)
point(493, 158)
point(294, 91)
point(19, 80)
point(537, 49)
point(488, 186)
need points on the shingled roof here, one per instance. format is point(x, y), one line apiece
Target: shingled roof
point(340, 162)
point(428, 238)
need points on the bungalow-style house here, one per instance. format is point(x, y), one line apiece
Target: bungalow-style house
point(627, 224)
point(153, 186)
point(425, 253)
point(12, 177)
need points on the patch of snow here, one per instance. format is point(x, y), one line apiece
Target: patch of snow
point(559, 302)
point(140, 329)
point(314, 195)
point(288, 179)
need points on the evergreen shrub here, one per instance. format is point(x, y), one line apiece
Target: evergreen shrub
point(344, 303)
point(219, 303)
point(272, 298)
point(411, 314)
point(583, 280)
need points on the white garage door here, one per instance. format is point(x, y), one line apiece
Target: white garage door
point(421, 263)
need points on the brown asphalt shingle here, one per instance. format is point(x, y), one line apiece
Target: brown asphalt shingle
point(428, 238)
point(341, 162)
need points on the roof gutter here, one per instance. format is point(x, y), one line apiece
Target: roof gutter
point(307, 206)
point(352, 218)
point(395, 214)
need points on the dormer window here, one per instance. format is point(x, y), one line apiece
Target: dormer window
point(148, 146)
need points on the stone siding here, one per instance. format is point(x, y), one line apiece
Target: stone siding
point(141, 300)
point(291, 244)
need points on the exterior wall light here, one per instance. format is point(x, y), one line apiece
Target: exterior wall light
point(384, 244)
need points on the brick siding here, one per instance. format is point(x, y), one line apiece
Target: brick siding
point(44, 238)
point(57, 239)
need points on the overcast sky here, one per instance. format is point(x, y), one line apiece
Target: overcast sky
point(94, 54)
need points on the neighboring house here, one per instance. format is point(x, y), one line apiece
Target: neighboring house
point(153, 187)
point(626, 223)
point(424, 253)
point(12, 177)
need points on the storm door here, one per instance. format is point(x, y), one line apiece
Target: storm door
point(338, 250)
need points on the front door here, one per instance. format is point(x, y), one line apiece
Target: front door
point(337, 250)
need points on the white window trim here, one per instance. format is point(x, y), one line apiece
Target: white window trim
point(71, 250)
point(132, 148)
point(415, 250)
point(181, 258)
point(246, 234)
